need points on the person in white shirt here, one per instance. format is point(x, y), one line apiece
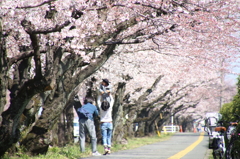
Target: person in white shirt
point(106, 124)
point(105, 108)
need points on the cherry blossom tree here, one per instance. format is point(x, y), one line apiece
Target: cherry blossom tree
point(50, 47)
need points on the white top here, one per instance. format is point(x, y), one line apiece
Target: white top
point(106, 116)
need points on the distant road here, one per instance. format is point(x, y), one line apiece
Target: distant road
point(180, 145)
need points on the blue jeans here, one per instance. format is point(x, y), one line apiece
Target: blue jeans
point(89, 125)
point(107, 133)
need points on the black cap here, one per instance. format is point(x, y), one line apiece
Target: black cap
point(106, 81)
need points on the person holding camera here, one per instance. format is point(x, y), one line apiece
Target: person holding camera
point(105, 90)
point(105, 103)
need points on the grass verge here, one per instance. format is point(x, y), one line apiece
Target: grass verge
point(210, 155)
point(73, 151)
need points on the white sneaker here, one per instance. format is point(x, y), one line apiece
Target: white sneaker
point(96, 153)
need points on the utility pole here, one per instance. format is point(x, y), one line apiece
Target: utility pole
point(221, 84)
point(172, 121)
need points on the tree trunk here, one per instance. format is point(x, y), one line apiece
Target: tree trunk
point(3, 71)
point(118, 116)
point(40, 137)
point(9, 131)
point(141, 129)
point(69, 139)
point(61, 130)
point(4, 82)
point(38, 140)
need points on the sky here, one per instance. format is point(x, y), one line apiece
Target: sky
point(236, 69)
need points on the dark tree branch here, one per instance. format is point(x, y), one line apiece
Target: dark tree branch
point(19, 57)
point(136, 41)
point(29, 28)
point(22, 56)
point(185, 107)
point(41, 4)
point(94, 66)
point(57, 28)
point(113, 36)
point(139, 103)
point(160, 98)
point(105, 7)
point(199, 8)
point(35, 44)
point(161, 10)
point(151, 89)
point(173, 95)
point(138, 37)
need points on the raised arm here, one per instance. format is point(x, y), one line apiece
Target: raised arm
point(102, 89)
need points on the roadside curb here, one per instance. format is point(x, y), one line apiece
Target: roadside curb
point(208, 152)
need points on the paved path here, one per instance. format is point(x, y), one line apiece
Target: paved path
point(180, 145)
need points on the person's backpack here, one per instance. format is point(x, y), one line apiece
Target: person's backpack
point(105, 105)
point(84, 113)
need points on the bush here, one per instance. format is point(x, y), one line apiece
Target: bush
point(229, 109)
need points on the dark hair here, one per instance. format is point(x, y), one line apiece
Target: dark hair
point(88, 100)
point(105, 105)
point(106, 81)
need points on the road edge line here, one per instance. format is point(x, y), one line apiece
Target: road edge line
point(188, 149)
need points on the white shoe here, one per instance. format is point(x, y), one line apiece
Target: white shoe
point(96, 153)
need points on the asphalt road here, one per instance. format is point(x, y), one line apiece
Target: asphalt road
point(180, 145)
